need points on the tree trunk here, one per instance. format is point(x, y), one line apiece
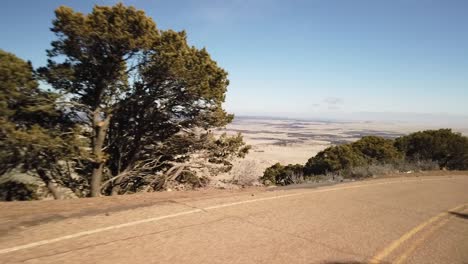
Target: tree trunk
point(96, 179)
point(50, 185)
point(55, 192)
point(100, 132)
point(116, 187)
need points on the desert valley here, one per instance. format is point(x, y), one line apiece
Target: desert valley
point(291, 141)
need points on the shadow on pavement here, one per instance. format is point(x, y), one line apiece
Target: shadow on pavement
point(460, 215)
point(344, 262)
point(311, 185)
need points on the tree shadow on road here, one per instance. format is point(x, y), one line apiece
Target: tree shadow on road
point(344, 262)
point(348, 262)
point(460, 215)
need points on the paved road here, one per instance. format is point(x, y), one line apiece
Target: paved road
point(399, 220)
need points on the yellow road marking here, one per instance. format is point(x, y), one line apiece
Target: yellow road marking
point(395, 244)
point(420, 240)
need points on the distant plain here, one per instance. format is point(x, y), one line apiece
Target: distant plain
point(292, 141)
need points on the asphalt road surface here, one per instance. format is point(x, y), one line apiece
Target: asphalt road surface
point(397, 220)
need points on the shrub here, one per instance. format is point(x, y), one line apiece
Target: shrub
point(283, 175)
point(448, 149)
point(419, 165)
point(371, 170)
point(17, 191)
point(374, 156)
point(377, 149)
point(334, 159)
point(390, 168)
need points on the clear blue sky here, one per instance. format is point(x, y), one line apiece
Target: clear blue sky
point(302, 57)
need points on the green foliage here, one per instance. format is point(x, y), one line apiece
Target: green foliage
point(283, 175)
point(17, 191)
point(377, 149)
point(132, 106)
point(368, 150)
point(91, 62)
point(34, 133)
point(139, 90)
point(97, 48)
point(372, 155)
point(20, 99)
point(447, 148)
point(225, 147)
point(334, 159)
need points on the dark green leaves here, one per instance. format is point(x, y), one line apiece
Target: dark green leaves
point(447, 148)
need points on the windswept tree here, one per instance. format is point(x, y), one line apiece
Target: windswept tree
point(141, 91)
point(34, 133)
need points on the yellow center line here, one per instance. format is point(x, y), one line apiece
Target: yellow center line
point(397, 243)
point(418, 242)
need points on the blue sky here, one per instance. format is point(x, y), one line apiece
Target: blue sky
point(302, 58)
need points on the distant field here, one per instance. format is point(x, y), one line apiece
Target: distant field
point(295, 141)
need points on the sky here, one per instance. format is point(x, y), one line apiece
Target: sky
point(303, 58)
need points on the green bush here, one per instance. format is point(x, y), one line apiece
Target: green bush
point(447, 148)
point(334, 159)
point(372, 156)
point(377, 150)
point(368, 150)
point(283, 175)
